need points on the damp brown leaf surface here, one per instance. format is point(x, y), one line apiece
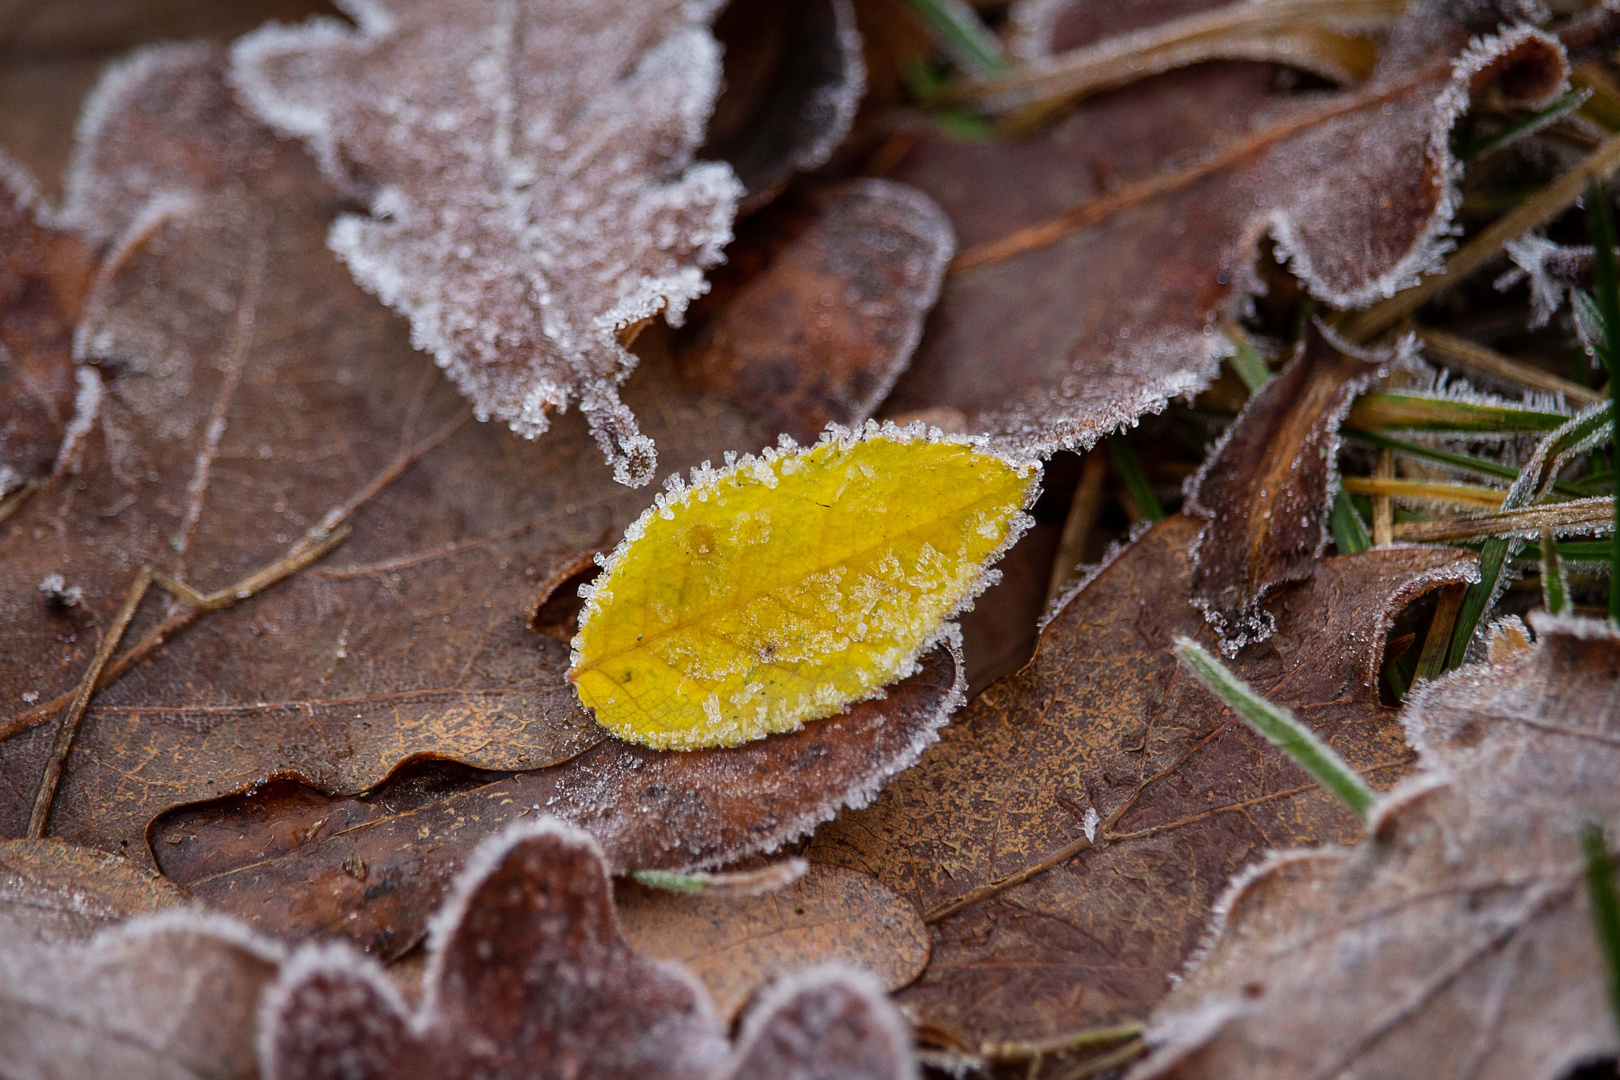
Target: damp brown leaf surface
point(297, 863)
point(1073, 828)
point(529, 974)
point(739, 944)
point(531, 184)
point(1266, 490)
point(51, 891)
point(1456, 941)
point(1099, 258)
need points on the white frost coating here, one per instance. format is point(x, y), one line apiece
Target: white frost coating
point(1090, 572)
point(1553, 272)
point(86, 410)
point(530, 179)
point(334, 959)
point(834, 107)
point(766, 1025)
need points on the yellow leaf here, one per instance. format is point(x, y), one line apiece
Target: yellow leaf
point(781, 588)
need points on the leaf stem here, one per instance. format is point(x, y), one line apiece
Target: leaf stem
point(1279, 726)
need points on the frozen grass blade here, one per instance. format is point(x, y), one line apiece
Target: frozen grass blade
point(1455, 460)
point(1349, 531)
point(1129, 467)
point(1605, 905)
point(1600, 226)
point(961, 33)
point(1279, 726)
point(737, 883)
point(1527, 126)
point(1379, 410)
point(1554, 581)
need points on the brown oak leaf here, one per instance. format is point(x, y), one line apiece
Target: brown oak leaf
point(1266, 489)
point(1456, 941)
point(1073, 827)
point(44, 276)
point(1084, 298)
point(530, 179)
point(162, 996)
point(529, 975)
point(738, 944)
point(821, 306)
point(260, 405)
point(794, 76)
point(51, 891)
point(296, 863)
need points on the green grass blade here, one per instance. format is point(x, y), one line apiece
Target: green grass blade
point(1605, 906)
point(1465, 462)
point(1249, 365)
point(1554, 579)
point(1529, 125)
point(1349, 531)
point(1600, 226)
point(960, 32)
point(1382, 411)
point(1279, 727)
point(1491, 557)
point(1129, 467)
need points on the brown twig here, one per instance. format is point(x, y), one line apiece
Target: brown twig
point(1470, 354)
point(1432, 660)
point(306, 550)
point(1020, 1050)
point(71, 719)
point(12, 502)
point(1077, 526)
point(1383, 507)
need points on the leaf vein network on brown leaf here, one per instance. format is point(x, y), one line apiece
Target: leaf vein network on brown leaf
point(530, 179)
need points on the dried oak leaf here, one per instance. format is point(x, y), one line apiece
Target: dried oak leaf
point(44, 276)
point(161, 997)
point(51, 891)
point(783, 587)
point(529, 975)
point(297, 863)
point(530, 179)
point(1072, 829)
point(820, 305)
point(738, 944)
point(1081, 302)
point(255, 397)
point(1267, 487)
point(1456, 941)
point(794, 76)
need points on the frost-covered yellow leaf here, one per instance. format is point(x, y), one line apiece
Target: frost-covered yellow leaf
point(781, 588)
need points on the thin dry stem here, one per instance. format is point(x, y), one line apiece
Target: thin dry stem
point(1077, 526)
point(1382, 488)
point(80, 702)
point(1383, 507)
point(1469, 354)
point(1594, 515)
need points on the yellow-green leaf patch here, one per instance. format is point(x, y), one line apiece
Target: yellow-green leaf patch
point(782, 587)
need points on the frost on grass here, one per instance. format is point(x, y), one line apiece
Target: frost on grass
point(781, 588)
point(162, 996)
point(1552, 271)
point(529, 975)
point(1267, 487)
point(1456, 941)
point(529, 174)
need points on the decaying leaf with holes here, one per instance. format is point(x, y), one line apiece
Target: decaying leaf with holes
point(1071, 831)
point(1267, 487)
point(1097, 264)
point(739, 944)
point(263, 406)
point(783, 587)
point(530, 177)
point(528, 974)
point(1457, 940)
point(298, 863)
point(168, 995)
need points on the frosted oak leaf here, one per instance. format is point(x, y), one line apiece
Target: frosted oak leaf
point(782, 588)
point(528, 168)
